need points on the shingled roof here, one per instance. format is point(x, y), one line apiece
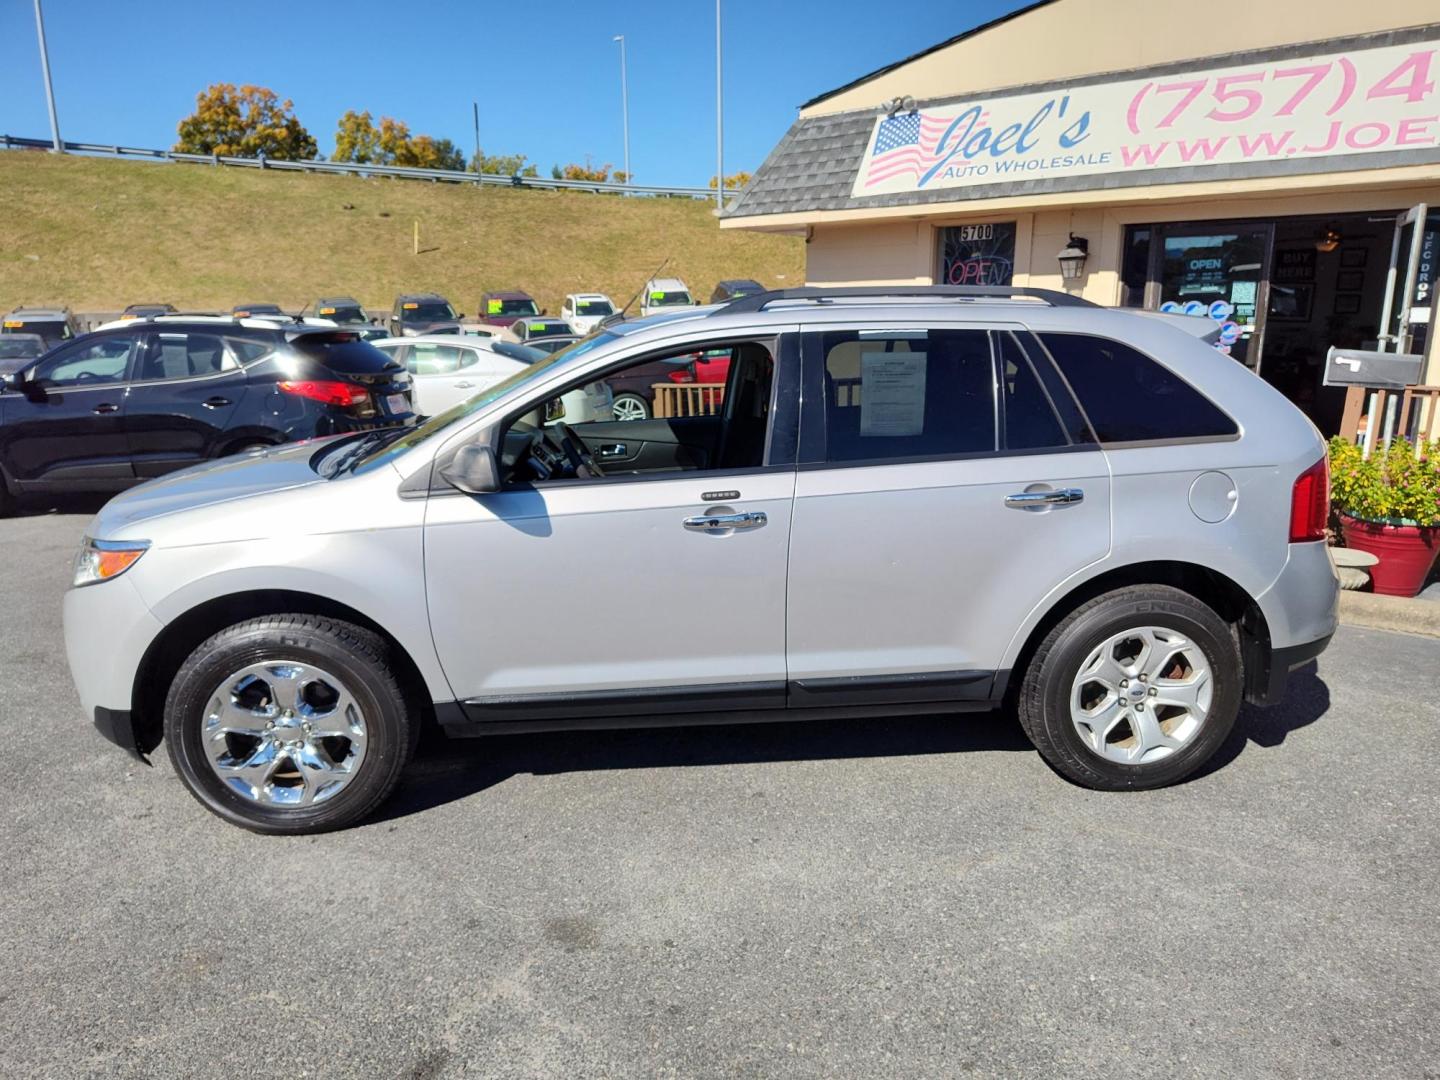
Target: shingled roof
point(813, 169)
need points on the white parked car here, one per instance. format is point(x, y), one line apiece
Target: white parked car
point(449, 369)
point(665, 294)
point(585, 311)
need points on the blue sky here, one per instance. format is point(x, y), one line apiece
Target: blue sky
point(548, 84)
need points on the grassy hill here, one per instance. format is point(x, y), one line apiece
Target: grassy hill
point(98, 234)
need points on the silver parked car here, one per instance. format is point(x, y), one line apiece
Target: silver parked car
point(906, 500)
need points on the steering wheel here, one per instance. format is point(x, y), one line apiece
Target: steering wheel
point(581, 460)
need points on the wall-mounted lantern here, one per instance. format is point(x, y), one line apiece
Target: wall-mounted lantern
point(1072, 258)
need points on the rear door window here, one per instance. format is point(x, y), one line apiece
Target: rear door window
point(173, 355)
point(1128, 397)
point(1035, 413)
point(907, 394)
point(427, 358)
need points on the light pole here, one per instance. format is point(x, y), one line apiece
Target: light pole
point(624, 104)
point(49, 90)
point(719, 122)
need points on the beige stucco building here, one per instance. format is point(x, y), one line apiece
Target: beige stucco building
point(1249, 159)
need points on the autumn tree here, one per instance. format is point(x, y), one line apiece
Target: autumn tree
point(356, 139)
point(734, 182)
point(244, 121)
point(575, 171)
point(503, 165)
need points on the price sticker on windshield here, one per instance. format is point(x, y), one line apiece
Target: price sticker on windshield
point(494, 307)
point(410, 307)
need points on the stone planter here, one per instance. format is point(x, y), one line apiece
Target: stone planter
point(1406, 551)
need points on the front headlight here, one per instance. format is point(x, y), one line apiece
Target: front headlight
point(101, 560)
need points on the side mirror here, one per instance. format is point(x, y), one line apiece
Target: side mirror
point(461, 315)
point(473, 470)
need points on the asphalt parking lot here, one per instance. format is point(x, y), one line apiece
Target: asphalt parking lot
point(916, 897)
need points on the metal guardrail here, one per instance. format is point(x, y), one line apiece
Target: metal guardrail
point(350, 168)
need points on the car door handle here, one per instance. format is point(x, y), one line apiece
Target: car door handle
point(106, 407)
point(714, 523)
point(1035, 500)
point(463, 384)
point(614, 449)
point(215, 402)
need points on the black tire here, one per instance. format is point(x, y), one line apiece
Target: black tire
point(1043, 703)
point(635, 399)
point(357, 657)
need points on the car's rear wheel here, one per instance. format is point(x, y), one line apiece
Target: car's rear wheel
point(1134, 689)
point(290, 723)
point(631, 407)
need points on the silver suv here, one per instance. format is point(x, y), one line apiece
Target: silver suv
point(905, 500)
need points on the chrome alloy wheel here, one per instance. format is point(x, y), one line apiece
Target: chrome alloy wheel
point(284, 734)
point(1141, 695)
point(630, 407)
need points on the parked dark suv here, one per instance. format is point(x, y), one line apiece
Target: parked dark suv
point(122, 405)
point(54, 324)
point(421, 313)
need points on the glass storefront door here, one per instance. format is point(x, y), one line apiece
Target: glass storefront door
point(1220, 270)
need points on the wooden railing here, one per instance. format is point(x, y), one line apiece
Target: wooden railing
point(687, 399)
point(1412, 413)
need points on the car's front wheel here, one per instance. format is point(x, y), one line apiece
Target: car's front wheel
point(1134, 689)
point(290, 723)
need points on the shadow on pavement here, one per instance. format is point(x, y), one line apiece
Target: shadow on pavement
point(1307, 699)
point(445, 770)
point(42, 505)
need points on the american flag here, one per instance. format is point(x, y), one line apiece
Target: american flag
point(904, 145)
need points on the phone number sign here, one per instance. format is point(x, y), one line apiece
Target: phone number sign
point(1362, 101)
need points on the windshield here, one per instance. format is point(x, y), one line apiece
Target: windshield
point(511, 307)
point(258, 309)
point(669, 299)
point(426, 311)
point(539, 364)
point(50, 331)
point(344, 314)
point(13, 347)
point(594, 307)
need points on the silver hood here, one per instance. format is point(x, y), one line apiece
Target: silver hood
point(209, 484)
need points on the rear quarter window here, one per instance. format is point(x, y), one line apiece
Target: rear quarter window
point(1129, 397)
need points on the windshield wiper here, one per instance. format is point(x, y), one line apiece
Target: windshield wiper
point(352, 454)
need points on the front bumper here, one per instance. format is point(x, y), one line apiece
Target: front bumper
point(108, 628)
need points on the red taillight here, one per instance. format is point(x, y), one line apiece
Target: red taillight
point(1310, 503)
point(328, 391)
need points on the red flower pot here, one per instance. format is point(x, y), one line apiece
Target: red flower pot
point(1406, 552)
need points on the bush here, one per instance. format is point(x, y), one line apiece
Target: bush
point(1392, 486)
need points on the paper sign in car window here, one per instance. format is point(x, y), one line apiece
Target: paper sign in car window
point(892, 394)
point(657, 296)
point(410, 307)
point(327, 311)
point(494, 307)
point(538, 327)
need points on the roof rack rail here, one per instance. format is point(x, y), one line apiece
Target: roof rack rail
point(759, 301)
